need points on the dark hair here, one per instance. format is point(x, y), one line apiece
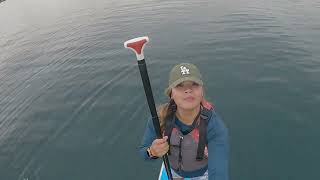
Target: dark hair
point(165, 111)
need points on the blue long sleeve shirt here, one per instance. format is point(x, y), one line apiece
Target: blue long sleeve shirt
point(218, 146)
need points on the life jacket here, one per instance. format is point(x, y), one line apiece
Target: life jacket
point(188, 150)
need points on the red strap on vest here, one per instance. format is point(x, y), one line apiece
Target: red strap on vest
point(207, 104)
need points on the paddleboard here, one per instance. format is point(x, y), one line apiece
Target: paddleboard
point(163, 174)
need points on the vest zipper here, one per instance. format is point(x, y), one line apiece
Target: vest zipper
point(180, 154)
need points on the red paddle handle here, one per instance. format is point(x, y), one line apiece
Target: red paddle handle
point(137, 45)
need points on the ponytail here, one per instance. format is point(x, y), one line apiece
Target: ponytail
point(164, 111)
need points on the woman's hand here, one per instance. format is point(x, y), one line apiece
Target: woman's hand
point(159, 147)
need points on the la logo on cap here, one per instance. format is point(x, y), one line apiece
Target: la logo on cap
point(184, 70)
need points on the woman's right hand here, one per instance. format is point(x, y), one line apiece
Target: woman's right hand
point(159, 147)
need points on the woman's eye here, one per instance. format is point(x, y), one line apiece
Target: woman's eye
point(179, 85)
point(195, 84)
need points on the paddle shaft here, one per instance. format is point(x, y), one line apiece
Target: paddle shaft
point(148, 91)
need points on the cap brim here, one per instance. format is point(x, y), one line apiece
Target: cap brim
point(174, 84)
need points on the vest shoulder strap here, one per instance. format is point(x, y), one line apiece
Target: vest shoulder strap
point(169, 125)
point(204, 119)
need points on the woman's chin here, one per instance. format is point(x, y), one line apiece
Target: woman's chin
point(190, 106)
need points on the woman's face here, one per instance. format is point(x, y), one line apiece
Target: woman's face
point(187, 95)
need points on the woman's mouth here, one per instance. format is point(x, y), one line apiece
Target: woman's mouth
point(189, 99)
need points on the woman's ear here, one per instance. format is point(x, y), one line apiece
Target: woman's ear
point(202, 92)
point(171, 96)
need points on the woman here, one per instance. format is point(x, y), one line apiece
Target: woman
point(195, 137)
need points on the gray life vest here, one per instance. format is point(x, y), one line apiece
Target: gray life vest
point(188, 151)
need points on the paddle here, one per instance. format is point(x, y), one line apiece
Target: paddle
point(137, 45)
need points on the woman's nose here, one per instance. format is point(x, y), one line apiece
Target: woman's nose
point(188, 90)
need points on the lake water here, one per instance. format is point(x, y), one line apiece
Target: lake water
point(72, 106)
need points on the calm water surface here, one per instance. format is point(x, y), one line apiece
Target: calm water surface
point(72, 106)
